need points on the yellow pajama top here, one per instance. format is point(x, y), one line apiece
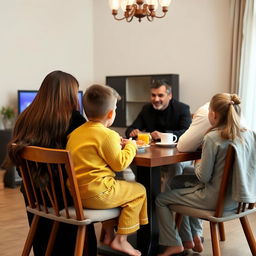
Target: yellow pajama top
point(97, 155)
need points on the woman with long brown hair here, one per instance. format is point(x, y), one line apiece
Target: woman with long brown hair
point(46, 122)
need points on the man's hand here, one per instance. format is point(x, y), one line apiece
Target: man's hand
point(134, 133)
point(155, 135)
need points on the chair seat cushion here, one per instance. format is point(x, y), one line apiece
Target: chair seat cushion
point(94, 215)
point(209, 215)
point(91, 215)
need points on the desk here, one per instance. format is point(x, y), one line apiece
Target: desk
point(148, 173)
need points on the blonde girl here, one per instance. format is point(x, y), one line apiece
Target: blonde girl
point(224, 116)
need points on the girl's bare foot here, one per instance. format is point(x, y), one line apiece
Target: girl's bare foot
point(198, 244)
point(172, 250)
point(188, 245)
point(120, 243)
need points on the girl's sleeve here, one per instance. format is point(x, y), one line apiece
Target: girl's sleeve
point(204, 169)
point(117, 158)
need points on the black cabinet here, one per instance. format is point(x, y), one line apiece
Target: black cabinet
point(11, 177)
point(135, 92)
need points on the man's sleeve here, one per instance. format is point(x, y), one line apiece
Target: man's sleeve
point(184, 121)
point(137, 124)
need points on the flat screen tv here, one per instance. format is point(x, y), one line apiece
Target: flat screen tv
point(25, 97)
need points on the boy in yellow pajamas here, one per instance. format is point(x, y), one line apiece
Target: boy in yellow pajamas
point(97, 155)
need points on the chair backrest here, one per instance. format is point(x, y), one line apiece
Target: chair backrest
point(55, 166)
point(226, 178)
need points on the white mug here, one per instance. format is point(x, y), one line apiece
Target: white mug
point(168, 138)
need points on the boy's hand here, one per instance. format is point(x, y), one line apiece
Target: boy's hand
point(125, 141)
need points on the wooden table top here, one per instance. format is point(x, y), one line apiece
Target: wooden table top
point(158, 155)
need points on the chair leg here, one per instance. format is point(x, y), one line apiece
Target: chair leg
point(52, 237)
point(215, 239)
point(222, 231)
point(80, 238)
point(249, 234)
point(102, 235)
point(90, 245)
point(31, 235)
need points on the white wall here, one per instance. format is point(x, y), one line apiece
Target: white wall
point(193, 40)
point(40, 36)
point(81, 37)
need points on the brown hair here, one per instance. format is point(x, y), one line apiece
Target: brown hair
point(228, 109)
point(46, 120)
point(98, 100)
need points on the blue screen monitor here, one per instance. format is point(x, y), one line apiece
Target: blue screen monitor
point(25, 97)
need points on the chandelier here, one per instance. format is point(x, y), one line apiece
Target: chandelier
point(138, 9)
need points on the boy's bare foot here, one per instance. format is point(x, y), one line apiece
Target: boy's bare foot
point(120, 243)
point(198, 244)
point(188, 245)
point(172, 250)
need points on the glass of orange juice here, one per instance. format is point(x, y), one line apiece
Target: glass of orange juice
point(145, 136)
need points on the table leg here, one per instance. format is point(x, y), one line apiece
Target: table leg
point(147, 236)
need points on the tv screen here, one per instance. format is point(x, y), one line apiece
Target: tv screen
point(25, 97)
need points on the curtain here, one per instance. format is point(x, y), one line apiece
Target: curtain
point(237, 15)
point(247, 81)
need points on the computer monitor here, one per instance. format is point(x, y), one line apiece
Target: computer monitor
point(25, 97)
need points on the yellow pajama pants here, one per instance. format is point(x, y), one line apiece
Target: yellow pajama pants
point(131, 197)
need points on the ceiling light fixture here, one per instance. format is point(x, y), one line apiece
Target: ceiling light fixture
point(138, 9)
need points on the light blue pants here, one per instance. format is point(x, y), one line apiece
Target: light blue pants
point(168, 234)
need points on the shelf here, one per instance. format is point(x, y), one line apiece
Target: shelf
point(138, 88)
point(135, 93)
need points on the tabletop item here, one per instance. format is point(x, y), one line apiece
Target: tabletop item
point(144, 136)
point(173, 144)
point(142, 148)
point(168, 138)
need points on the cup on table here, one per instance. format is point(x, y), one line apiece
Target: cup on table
point(168, 138)
point(144, 136)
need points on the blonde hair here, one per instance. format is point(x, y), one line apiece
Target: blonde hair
point(228, 109)
point(98, 100)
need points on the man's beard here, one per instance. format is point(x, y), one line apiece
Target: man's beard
point(158, 107)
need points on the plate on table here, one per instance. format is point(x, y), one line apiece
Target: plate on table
point(166, 144)
point(142, 148)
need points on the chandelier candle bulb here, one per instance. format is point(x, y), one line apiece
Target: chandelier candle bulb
point(164, 3)
point(138, 9)
point(114, 4)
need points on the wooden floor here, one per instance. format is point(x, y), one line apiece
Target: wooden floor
point(14, 228)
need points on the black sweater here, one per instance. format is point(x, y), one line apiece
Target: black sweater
point(176, 119)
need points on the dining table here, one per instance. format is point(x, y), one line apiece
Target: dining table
point(148, 162)
point(148, 172)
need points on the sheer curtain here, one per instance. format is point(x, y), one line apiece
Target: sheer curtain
point(237, 8)
point(247, 81)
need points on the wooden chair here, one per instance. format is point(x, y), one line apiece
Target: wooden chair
point(50, 200)
point(219, 216)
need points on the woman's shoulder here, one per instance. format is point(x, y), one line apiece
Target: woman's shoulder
point(76, 120)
